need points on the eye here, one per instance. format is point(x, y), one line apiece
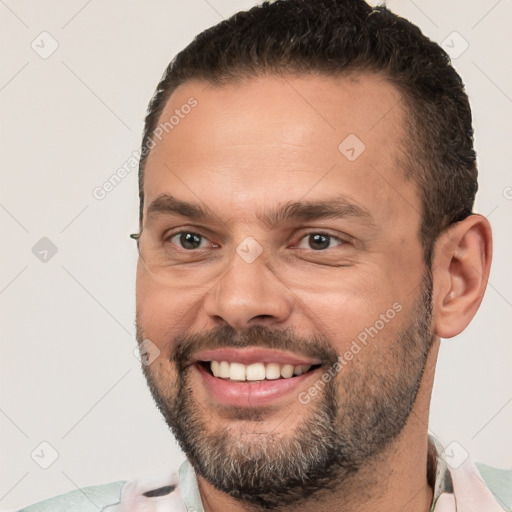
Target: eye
point(188, 240)
point(319, 241)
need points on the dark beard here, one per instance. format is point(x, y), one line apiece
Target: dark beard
point(357, 416)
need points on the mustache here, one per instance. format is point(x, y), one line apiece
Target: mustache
point(314, 347)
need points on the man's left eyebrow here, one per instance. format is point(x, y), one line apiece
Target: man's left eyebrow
point(337, 208)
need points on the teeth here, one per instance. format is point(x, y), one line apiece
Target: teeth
point(272, 371)
point(287, 371)
point(256, 371)
point(237, 371)
point(224, 370)
point(299, 370)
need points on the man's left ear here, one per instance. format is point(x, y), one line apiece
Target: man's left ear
point(461, 266)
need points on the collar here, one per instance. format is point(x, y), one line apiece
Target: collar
point(438, 477)
point(438, 474)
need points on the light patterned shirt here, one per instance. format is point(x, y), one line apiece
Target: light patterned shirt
point(457, 483)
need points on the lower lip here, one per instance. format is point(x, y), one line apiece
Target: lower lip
point(252, 394)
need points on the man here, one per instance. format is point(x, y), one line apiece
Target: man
point(306, 238)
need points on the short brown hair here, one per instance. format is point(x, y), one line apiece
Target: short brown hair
point(333, 37)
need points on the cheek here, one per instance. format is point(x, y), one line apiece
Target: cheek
point(162, 312)
point(359, 309)
point(164, 371)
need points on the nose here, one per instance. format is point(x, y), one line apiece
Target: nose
point(249, 293)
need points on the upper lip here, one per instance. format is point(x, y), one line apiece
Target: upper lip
point(252, 355)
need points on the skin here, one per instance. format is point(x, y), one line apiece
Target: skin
point(248, 147)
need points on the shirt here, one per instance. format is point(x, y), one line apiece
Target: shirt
point(458, 487)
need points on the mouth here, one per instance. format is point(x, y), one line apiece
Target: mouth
point(239, 372)
point(254, 377)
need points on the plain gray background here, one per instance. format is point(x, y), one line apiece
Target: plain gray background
point(68, 122)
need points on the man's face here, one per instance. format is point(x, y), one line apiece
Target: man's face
point(267, 281)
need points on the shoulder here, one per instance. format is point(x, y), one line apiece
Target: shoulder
point(461, 484)
point(87, 499)
point(499, 482)
point(149, 494)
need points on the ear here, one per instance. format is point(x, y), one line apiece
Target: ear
point(461, 265)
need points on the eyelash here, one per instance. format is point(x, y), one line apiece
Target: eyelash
point(331, 237)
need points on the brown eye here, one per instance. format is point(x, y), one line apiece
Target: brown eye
point(187, 240)
point(318, 241)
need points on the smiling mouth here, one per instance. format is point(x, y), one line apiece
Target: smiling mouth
point(239, 372)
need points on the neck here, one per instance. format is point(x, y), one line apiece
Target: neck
point(394, 480)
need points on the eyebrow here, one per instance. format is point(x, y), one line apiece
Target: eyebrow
point(169, 205)
point(333, 208)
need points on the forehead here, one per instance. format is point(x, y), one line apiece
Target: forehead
point(278, 138)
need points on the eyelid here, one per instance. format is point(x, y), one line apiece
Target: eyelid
point(343, 238)
point(178, 231)
point(198, 230)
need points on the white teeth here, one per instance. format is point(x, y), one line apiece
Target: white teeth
point(215, 368)
point(224, 370)
point(287, 371)
point(237, 371)
point(272, 371)
point(256, 371)
point(302, 368)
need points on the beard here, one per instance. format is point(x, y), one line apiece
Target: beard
point(357, 415)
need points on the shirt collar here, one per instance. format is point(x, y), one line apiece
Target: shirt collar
point(438, 477)
point(438, 474)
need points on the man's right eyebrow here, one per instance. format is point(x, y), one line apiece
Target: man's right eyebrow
point(339, 207)
point(166, 204)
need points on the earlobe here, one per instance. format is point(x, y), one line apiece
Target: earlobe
point(461, 267)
